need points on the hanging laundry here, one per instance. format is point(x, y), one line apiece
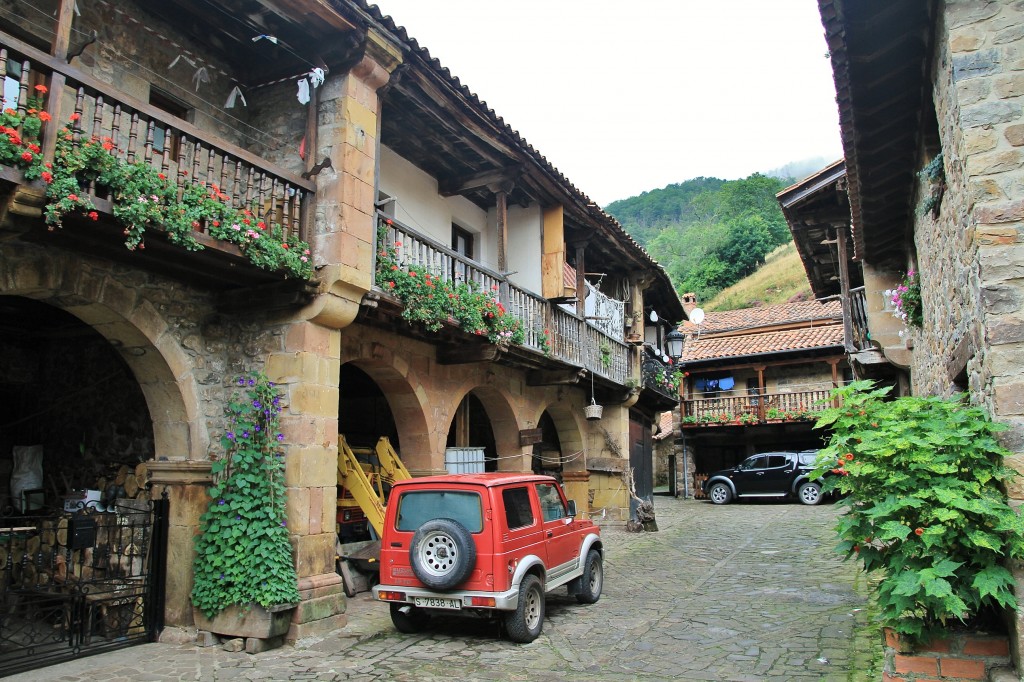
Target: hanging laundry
point(264, 36)
point(180, 57)
point(200, 76)
point(235, 94)
point(303, 93)
point(316, 77)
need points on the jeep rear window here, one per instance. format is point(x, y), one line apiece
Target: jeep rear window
point(416, 507)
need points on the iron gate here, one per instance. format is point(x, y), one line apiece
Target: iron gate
point(74, 584)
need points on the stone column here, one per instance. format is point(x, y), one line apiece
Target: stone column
point(186, 484)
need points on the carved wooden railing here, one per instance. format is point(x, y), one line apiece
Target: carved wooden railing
point(570, 339)
point(859, 319)
point(140, 132)
point(752, 409)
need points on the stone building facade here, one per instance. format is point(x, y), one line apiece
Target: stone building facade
point(954, 98)
point(178, 326)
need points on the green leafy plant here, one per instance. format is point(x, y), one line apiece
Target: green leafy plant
point(544, 341)
point(433, 300)
point(606, 355)
point(934, 173)
point(747, 418)
point(921, 482)
point(19, 135)
point(906, 299)
point(243, 553)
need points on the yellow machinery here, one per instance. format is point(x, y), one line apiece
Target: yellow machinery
point(365, 476)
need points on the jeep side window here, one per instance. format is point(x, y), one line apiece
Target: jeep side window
point(518, 512)
point(776, 461)
point(551, 506)
point(755, 462)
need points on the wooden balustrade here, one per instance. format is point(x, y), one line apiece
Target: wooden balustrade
point(142, 133)
point(571, 339)
point(859, 318)
point(799, 405)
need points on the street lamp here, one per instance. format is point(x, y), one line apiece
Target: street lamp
point(674, 343)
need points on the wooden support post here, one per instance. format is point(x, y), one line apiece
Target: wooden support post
point(501, 208)
point(59, 49)
point(761, 393)
point(581, 279)
point(844, 290)
point(835, 378)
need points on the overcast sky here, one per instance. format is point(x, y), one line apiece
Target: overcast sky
point(624, 97)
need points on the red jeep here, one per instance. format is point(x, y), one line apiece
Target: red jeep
point(480, 544)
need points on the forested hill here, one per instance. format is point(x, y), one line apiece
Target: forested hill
point(707, 233)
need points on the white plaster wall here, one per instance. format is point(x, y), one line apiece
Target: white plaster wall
point(524, 246)
point(419, 206)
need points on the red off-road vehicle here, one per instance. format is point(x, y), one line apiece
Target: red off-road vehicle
point(485, 545)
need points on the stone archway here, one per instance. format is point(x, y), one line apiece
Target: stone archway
point(503, 425)
point(570, 435)
point(133, 326)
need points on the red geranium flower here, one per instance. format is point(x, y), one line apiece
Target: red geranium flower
point(284, 246)
point(41, 89)
point(75, 116)
point(161, 176)
point(43, 116)
point(47, 177)
point(35, 148)
point(919, 531)
point(27, 156)
point(94, 215)
point(73, 197)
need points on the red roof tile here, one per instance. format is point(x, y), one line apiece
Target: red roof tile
point(715, 347)
point(769, 315)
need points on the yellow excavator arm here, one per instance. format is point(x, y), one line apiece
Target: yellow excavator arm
point(365, 481)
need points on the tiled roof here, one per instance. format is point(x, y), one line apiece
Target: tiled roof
point(769, 315)
point(664, 426)
point(806, 338)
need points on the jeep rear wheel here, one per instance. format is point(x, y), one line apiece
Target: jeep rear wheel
point(442, 554)
point(592, 579)
point(408, 619)
point(720, 493)
point(526, 622)
point(809, 493)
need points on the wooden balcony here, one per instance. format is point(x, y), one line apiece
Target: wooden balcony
point(859, 319)
point(137, 133)
point(569, 339)
point(755, 409)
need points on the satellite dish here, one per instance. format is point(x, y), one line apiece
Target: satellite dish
point(696, 316)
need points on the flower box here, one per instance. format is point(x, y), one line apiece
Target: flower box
point(961, 655)
point(250, 621)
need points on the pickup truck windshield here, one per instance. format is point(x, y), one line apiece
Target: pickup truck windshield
point(417, 507)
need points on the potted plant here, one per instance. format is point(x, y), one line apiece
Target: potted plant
point(245, 580)
point(921, 479)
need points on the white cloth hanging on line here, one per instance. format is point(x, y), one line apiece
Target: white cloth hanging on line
point(235, 94)
point(303, 93)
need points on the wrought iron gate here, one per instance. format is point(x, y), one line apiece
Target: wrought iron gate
point(77, 583)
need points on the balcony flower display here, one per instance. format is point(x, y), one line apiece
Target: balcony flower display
point(906, 299)
point(142, 198)
point(431, 299)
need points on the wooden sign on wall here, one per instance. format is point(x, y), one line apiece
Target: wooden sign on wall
point(530, 436)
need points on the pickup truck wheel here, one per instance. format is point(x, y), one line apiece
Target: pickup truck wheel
point(526, 622)
point(809, 493)
point(592, 579)
point(720, 493)
point(408, 619)
point(442, 554)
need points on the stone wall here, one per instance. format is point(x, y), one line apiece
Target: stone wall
point(971, 253)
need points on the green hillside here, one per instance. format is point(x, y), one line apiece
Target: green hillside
point(782, 279)
point(707, 233)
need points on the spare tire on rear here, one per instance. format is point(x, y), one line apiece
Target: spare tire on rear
point(442, 554)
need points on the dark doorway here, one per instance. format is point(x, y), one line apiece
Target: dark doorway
point(641, 457)
point(471, 428)
point(364, 414)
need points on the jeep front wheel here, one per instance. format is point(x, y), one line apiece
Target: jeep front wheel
point(592, 579)
point(809, 493)
point(442, 554)
point(720, 493)
point(525, 623)
point(408, 619)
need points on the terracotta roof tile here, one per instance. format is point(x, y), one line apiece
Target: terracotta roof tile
point(769, 315)
point(711, 347)
point(664, 426)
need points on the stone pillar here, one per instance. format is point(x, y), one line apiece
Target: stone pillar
point(186, 484)
point(577, 487)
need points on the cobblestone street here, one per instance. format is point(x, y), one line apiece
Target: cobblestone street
point(741, 592)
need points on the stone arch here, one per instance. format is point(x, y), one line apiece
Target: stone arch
point(503, 421)
point(133, 327)
point(409, 405)
point(570, 435)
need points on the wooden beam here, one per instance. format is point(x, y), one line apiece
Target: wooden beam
point(505, 178)
point(461, 355)
point(581, 280)
point(555, 377)
point(844, 290)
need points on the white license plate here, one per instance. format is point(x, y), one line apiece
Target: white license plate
point(432, 603)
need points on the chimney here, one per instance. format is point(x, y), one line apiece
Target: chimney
point(689, 303)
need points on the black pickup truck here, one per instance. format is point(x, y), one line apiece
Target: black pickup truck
point(769, 474)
